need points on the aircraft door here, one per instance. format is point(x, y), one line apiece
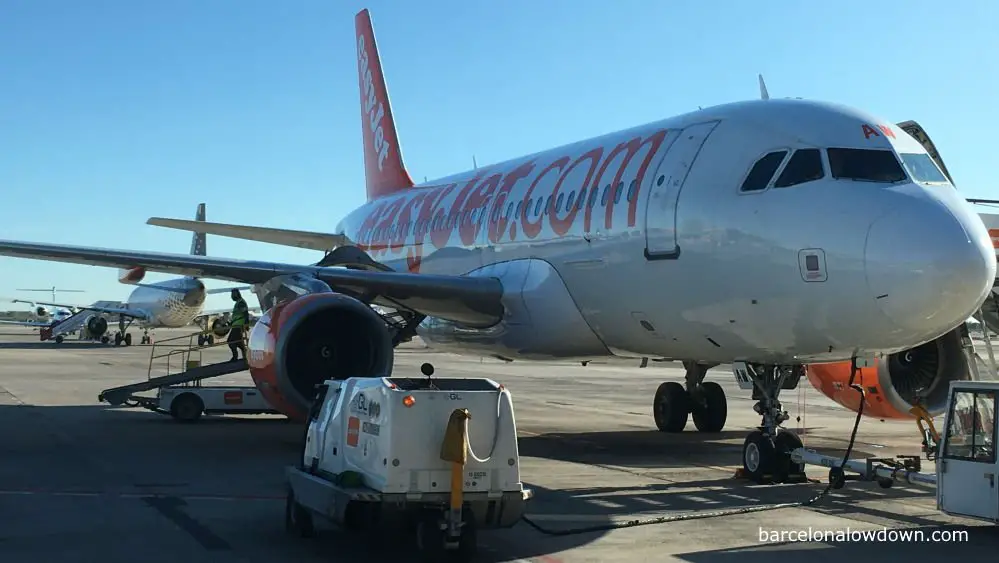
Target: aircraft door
point(660, 211)
point(967, 479)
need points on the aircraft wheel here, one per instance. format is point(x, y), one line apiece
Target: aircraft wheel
point(211, 339)
point(187, 408)
point(105, 340)
point(710, 409)
point(785, 443)
point(201, 340)
point(128, 339)
point(117, 339)
point(758, 456)
point(670, 407)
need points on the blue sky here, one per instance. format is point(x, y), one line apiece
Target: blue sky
point(112, 111)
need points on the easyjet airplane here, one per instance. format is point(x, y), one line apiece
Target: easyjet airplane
point(770, 232)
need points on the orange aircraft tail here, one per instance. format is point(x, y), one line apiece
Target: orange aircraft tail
point(384, 170)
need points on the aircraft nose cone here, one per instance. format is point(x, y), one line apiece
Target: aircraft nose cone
point(928, 267)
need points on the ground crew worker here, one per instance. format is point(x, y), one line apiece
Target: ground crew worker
point(240, 320)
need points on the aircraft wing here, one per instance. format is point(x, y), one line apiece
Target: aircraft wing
point(227, 289)
point(108, 307)
point(473, 301)
point(284, 237)
point(24, 323)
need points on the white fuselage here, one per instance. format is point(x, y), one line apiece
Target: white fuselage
point(172, 303)
point(668, 257)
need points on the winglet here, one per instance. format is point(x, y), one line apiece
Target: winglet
point(199, 241)
point(384, 170)
point(764, 95)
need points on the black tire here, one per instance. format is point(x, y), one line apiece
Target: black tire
point(117, 339)
point(187, 408)
point(297, 519)
point(785, 443)
point(210, 340)
point(105, 340)
point(758, 456)
point(128, 339)
point(670, 407)
point(201, 340)
point(710, 409)
point(59, 339)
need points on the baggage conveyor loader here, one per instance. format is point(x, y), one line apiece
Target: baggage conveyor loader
point(399, 451)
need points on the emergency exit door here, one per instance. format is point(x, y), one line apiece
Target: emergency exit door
point(671, 174)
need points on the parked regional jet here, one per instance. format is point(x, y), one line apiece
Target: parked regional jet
point(41, 316)
point(772, 233)
point(171, 303)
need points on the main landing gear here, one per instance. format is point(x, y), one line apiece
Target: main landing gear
point(124, 337)
point(703, 400)
point(766, 452)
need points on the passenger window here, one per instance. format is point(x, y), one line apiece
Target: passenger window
point(509, 210)
point(971, 431)
point(759, 176)
point(619, 192)
point(516, 213)
point(593, 195)
point(865, 165)
point(537, 207)
point(558, 202)
point(568, 200)
point(631, 190)
point(603, 198)
point(805, 166)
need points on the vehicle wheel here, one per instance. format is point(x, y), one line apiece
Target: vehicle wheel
point(201, 340)
point(297, 519)
point(187, 408)
point(105, 340)
point(59, 339)
point(128, 339)
point(785, 443)
point(758, 454)
point(117, 339)
point(211, 339)
point(710, 410)
point(670, 407)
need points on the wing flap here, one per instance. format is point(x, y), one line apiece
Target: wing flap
point(472, 301)
point(284, 237)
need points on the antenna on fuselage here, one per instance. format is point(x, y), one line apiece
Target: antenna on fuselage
point(764, 95)
point(475, 165)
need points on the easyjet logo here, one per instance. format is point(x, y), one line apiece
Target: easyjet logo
point(373, 109)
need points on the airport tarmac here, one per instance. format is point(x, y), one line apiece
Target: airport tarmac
point(82, 482)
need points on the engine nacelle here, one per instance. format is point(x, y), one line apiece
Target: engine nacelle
point(41, 311)
point(131, 276)
point(897, 382)
point(96, 326)
point(300, 343)
point(220, 327)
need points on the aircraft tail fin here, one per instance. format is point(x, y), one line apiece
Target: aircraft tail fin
point(384, 170)
point(764, 94)
point(199, 241)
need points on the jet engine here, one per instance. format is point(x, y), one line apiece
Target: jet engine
point(41, 311)
point(896, 383)
point(300, 343)
point(97, 326)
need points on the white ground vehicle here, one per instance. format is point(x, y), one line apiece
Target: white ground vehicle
point(384, 451)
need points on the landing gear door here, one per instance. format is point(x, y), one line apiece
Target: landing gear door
point(660, 212)
point(967, 477)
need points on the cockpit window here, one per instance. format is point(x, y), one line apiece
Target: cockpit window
point(805, 165)
point(922, 168)
point(762, 171)
point(865, 165)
